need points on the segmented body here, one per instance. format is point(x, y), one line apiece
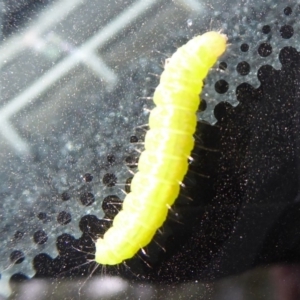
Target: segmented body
point(168, 145)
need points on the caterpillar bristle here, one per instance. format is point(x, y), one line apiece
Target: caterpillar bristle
point(207, 149)
point(145, 98)
point(155, 75)
point(164, 54)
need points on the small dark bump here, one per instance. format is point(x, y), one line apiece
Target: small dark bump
point(87, 198)
point(87, 177)
point(244, 47)
point(111, 159)
point(243, 68)
point(42, 216)
point(16, 256)
point(288, 55)
point(64, 243)
point(202, 105)
point(131, 161)
point(65, 196)
point(109, 179)
point(266, 29)
point(221, 86)
point(134, 139)
point(40, 237)
point(128, 184)
point(223, 65)
point(287, 11)
point(264, 49)
point(111, 205)
point(286, 31)
point(63, 218)
point(18, 235)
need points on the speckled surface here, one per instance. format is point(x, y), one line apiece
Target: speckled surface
point(89, 130)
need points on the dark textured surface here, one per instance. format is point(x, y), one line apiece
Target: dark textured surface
point(243, 183)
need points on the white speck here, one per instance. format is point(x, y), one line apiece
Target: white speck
point(189, 22)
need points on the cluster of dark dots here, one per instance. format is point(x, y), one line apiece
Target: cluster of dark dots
point(63, 218)
point(95, 227)
point(264, 49)
point(17, 256)
point(90, 224)
point(110, 179)
point(111, 204)
point(39, 237)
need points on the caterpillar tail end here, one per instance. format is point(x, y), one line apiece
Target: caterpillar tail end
point(217, 42)
point(104, 256)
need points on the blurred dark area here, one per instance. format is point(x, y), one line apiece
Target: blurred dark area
point(17, 13)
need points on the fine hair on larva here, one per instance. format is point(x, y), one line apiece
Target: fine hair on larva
point(168, 145)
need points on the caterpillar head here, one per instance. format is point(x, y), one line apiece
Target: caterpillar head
point(217, 42)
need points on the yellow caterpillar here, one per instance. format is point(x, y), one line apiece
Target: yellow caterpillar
point(168, 145)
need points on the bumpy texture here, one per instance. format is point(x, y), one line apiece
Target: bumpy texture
point(168, 145)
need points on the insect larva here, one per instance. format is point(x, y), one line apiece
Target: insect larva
point(168, 145)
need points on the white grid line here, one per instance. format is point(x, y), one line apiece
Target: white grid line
point(85, 54)
point(47, 19)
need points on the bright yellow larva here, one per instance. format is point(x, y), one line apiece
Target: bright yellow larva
point(168, 145)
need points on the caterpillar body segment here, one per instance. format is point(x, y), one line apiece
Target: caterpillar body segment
point(168, 145)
